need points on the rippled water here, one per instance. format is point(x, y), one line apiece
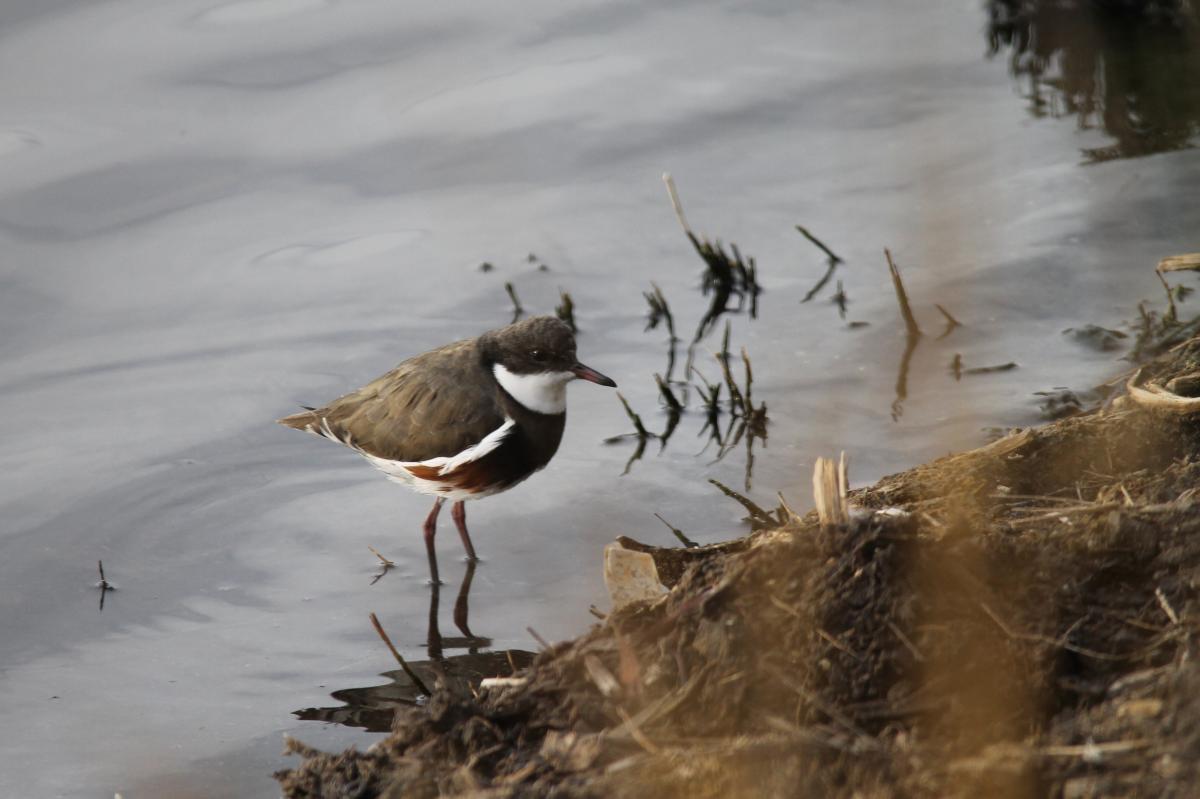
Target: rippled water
point(211, 213)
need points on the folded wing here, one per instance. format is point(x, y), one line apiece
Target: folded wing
point(435, 405)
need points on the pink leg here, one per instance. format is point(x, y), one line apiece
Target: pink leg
point(430, 532)
point(459, 513)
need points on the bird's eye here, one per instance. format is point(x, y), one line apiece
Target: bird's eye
point(537, 355)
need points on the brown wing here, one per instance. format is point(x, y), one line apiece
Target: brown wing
point(430, 406)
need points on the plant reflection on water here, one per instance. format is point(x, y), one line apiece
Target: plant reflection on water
point(746, 421)
point(1131, 69)
point(727, 276)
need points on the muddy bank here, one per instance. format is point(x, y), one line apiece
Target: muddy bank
point(1017, 621)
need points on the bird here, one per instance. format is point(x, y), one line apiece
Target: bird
point(464, 421)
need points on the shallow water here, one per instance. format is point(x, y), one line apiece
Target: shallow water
point(214, 212)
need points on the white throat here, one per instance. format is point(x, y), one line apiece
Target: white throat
point(544, 393)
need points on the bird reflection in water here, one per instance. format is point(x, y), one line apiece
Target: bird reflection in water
point(373, 707)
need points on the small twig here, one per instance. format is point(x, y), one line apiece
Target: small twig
point(836, 644)
point(1070, 505)
point(636, 733)
point(566, 310)
point(833, 261)
point(1165, 605)
point(724, 276)
point(1038, 497)
point(785, 607)
point(829, 709)
point(840, 300)
point(987, 370)
point(748, 409)
point(736, 403)
point(951, 322)
point(910, 347)
point(388, 563)
point(668, 395)
point(1045, 639)
point(787, 509)
point(833, 257)
point(629, 668)
point(820, 284)
point(673, 417)
point(910, 321)
point(542, 642)
point(601, 677)
point(1173, 263)
point(1094, 750)
point(843, 475)
point(687, 542)
point(412, 675)
point(909, 645)
point(756, 513)
point(1171, 314)
point(642, 432)
point(1060, 513)
point(659, 310)
point(104, 585)
point(711, 392)
point(675, 204)
point(518, 311)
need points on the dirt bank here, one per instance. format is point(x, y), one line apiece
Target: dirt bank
point(1020, 623)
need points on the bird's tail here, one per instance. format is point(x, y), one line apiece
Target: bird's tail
point(316, 422)
point(306, 420)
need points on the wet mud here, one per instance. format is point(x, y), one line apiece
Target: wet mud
point(1013, 621)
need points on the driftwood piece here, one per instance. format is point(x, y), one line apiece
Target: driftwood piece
point(829, 491)
point(672, 562)
point(1150, 393)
